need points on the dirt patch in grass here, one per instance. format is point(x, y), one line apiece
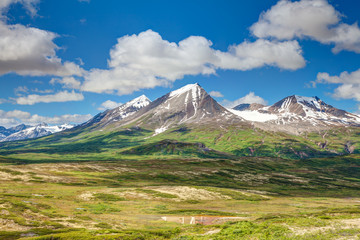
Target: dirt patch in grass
point(87, 196)
point(190, 193)
point(351, 222)
point(10, 225)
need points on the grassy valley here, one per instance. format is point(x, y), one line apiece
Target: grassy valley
point(232, 182)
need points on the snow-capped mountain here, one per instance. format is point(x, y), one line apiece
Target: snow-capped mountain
point(4, 132)
point(118, 113)
point(189, 104)
point(299, 111)
point(37, 131)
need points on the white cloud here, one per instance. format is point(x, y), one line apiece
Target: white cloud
point(29, 5)
point(17, 114)
point(61, 119)
point(348, 91)
point(63, 96)
point(2, 100)
point(28, 50)
point(42, 91)
point(215, 94)
point(344, 77)
point(16, 117)
point(315, 19)
point(21, 90)
point(349, 84)
point(109, 105)
point(250, 55)
point(146, 61)
point(249, 98)
point(67, 82)
point(31, 51)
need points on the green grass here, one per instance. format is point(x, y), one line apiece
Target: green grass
point(108, 197)
point(279, 183)
point(132, 208)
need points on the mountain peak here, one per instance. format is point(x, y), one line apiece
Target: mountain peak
point(188, 104)
point(119, 113)
point(308, 112)
point(190, 87)
point(139, 102)
point(43, 124)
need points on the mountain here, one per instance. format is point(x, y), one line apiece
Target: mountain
point(117, 114)
point(297, 114)
point(35, 132)
point(4, 132)
point(295, 127)
point(190, 104)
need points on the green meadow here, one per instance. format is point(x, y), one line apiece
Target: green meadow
point(129, 184)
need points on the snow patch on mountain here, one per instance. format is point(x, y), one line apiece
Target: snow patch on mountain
point(308, 100)
point(190, 87)
point(298, 109)
point(254, 116)
point(123, 111)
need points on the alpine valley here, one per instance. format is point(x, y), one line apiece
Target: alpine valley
point(152, 169)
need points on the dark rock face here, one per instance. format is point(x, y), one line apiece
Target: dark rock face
point(349, 148)
point(290, 104)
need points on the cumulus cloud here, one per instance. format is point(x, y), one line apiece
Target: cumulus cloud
point(63, 96)
point(16, 117)
point(348, 91)
point(315, 19)
point(28, 50)
point(67, 82)
point(349, 84)
point(146, 61)
point(250, 55)
point(344, 77)
point(31, 51)
point(249, 98)
point(109, 105)
point(215, 94)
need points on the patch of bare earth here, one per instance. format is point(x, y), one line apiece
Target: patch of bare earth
point(71, 223)
point(343, 224)
point(190, 193)
point(87, 196)
point(10, 225)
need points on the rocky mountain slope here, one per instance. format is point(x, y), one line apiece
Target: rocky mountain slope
point(117, 114)
point(190, 104)
point(296, 114)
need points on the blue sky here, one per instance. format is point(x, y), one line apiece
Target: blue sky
point(65, 61)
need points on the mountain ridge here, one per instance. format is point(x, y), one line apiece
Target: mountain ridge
point(296, 114)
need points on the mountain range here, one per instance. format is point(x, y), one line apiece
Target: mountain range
point(294, 127)
point(22, 131)
point(191, 104)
